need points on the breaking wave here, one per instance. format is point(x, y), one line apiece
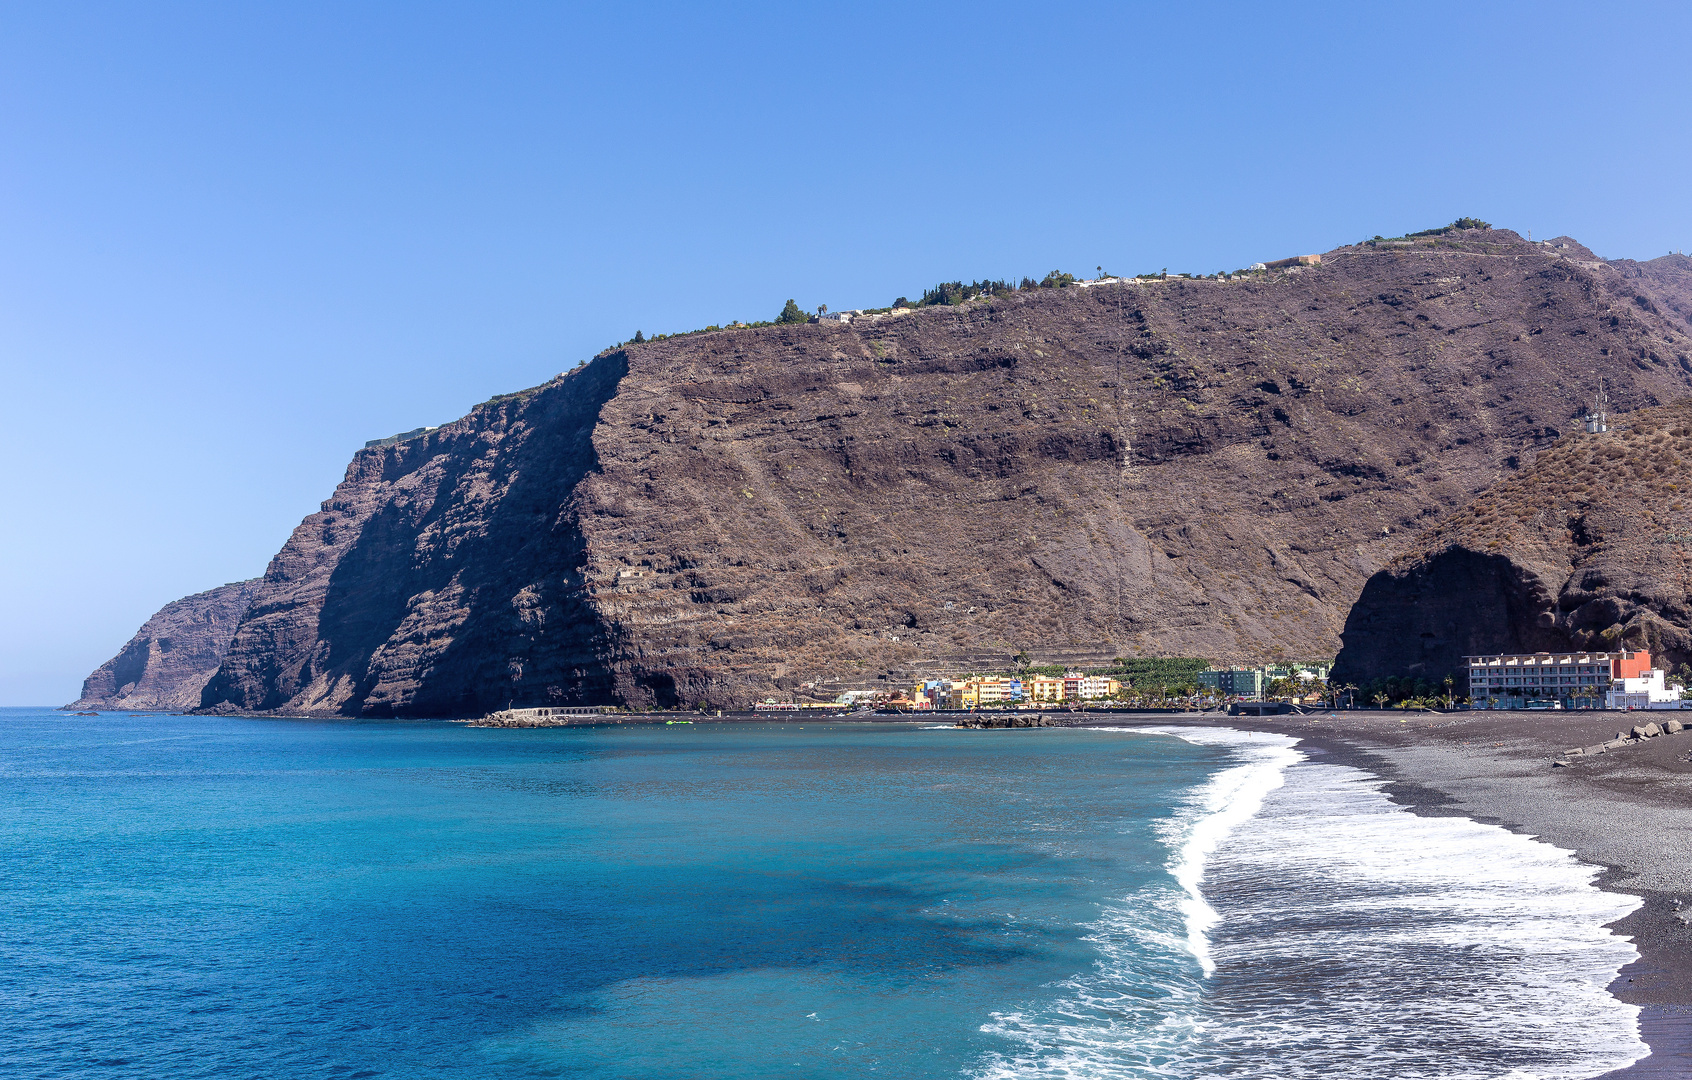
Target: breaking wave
point(1312, 928)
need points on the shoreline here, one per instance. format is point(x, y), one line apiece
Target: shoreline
point(1626, 812)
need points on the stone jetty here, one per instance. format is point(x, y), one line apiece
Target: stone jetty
point(1038, 720)
point(552, 717)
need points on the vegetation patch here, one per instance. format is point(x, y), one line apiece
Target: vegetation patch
point(1157, 672)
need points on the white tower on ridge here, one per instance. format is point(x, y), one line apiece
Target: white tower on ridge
point(1598, 420)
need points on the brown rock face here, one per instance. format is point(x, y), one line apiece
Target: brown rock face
point(1587, 549)
point(1177, 467)
point(166, 664)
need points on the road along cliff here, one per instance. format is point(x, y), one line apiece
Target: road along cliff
point(1167, 467)
point(168, 661)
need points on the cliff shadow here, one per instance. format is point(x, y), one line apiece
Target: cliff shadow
point(529, 636)
point(1421, 622)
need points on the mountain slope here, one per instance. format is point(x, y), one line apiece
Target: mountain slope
point(1587, 549)
point(1170, 467)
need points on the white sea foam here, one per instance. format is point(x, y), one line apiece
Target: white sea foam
point(1312, 928)
point(1215, 810)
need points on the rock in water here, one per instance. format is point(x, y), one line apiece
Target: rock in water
point(1200, 468)
point(166, 664)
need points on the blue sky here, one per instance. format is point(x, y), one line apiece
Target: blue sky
point(236, 241)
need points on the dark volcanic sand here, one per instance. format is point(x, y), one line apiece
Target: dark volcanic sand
point(1627, 810)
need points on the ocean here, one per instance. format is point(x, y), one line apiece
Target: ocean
point(225, 897)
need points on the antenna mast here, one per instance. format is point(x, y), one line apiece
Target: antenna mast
point(1598, 420)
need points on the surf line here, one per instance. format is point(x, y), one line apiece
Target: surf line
point(1223, 803)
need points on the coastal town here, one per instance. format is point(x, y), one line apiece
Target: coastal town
point(1622, 680)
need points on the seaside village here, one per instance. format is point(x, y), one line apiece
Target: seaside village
point(1545, 680)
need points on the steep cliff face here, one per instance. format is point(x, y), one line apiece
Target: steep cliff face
point(168, 661)
point(1588, 548)
point(445, 576)
point(1174, 467)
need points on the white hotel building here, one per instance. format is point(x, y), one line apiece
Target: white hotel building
point(1617, 680)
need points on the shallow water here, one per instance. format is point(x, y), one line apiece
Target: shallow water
point(200, 897)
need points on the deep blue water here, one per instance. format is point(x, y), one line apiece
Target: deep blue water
point(260, 898)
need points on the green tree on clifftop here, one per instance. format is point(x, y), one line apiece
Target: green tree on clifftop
point(792, 314)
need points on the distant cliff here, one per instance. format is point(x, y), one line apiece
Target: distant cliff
point(166, 664)
point(1590, 548)
point(1174, 467)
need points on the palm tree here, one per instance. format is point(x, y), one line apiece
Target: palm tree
point(1380, 700)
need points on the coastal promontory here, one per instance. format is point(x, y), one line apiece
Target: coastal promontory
point(1159, 466)
point(166, 664)
point(1587, 548)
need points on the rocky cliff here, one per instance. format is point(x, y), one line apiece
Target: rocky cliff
point(1586, 549)
point(1168, 467)
point(166, 664)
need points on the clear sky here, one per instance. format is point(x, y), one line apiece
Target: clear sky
point(238, 240)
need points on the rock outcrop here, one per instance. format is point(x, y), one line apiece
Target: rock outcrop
point(1039, 720)
point(168, 661)
point(1588, 548)
point(1171, 467)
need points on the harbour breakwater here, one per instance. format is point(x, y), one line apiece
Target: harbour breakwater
point(1040, 720)
point(548, 717)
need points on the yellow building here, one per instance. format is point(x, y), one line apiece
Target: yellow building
point(1046, 688)
point(1073, 686)
point(974, 693)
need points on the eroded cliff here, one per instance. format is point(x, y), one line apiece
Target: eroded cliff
point(168, 661)
point(1586, 549)
point(1173, 467)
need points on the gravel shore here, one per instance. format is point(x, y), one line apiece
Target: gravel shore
point(1628, 810)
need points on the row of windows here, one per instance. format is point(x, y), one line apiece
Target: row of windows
point(1549, 680)
point(1549, 670)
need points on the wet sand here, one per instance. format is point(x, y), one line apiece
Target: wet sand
point(1629, 810)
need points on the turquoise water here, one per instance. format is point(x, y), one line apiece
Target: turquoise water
point(227, 897)
point(211, 896)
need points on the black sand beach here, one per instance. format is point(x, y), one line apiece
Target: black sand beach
point(1628, 810)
